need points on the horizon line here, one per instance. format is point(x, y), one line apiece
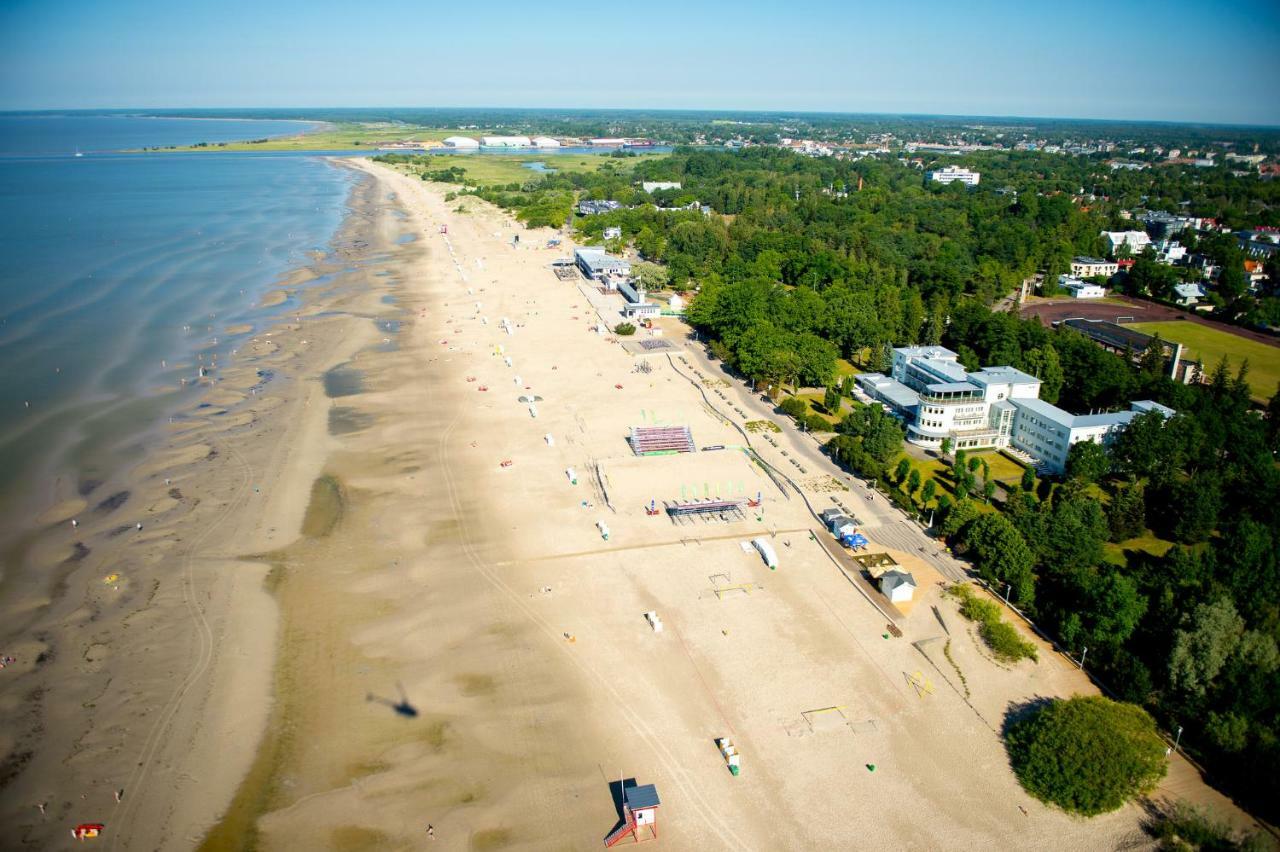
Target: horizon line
point(706, 110)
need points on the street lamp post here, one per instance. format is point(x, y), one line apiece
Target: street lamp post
point(1083, 654)
point(1176, 741)
point(1006, 594)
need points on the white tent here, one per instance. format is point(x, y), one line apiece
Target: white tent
point(766, 551)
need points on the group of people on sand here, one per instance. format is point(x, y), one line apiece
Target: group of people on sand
point(6, 660)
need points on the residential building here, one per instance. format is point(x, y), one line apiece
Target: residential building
point(1170, 251)
point(599, 265)
point(591, 208)
point(995, 407)
point(1081, 289)
point(461, 142)
point(1188, 295)
point(1161, 225)
point(1093, 267)
point(951, 174)
point(1135, 240)
point(1260, 242)
point(652, 186)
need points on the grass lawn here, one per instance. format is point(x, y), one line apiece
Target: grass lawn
point(497, 169)
point(1210, 344)
point(1003, 468)
point(1148, 543)
point(814, 398)
point(844, 368)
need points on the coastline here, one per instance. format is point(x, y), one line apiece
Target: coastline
point(148, 670)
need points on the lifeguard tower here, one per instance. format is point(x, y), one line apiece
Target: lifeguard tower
point(639, 815)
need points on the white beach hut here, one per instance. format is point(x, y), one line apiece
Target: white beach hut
point(898, 586)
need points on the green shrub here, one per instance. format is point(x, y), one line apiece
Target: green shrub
point(624, 328)
point(794, 406)
point(1002, 638)
point(1088, 755)
point(978, 609)
point(1005, 642)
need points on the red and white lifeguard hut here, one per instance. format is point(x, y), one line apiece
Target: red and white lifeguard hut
point(639, 815)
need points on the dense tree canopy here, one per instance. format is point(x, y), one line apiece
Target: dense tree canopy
point(1086, 755)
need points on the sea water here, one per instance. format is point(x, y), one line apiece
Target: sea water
point(119, 271)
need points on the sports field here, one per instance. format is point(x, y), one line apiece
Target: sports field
point(1209, 345)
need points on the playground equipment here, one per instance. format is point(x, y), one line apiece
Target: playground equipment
point(639, 808)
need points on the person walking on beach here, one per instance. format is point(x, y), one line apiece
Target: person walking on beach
point(431, 832)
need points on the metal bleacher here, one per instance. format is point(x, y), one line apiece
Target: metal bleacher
point(661, 440)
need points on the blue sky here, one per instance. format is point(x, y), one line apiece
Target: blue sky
point(1174, 60)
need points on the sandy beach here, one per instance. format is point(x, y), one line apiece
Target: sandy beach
point(346, 617)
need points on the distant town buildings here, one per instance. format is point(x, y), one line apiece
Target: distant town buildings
point(652, 186)
point(461, 142)
point(951, 174)
point(995, 407)
point(545, 142)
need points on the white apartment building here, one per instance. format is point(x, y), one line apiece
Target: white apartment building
point(992, 408)
point(1135, 240)
point(951, 174)
point(1092, 267)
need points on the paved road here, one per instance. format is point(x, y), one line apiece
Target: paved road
point(883, 522)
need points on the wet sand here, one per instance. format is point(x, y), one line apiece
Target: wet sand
point(148, 667)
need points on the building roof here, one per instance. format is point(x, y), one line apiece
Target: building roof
point(890, 390)
point(1112, 334)
point(1094, 260)
point(935, 352)
point(1067, 420)
point(1002, 375)
point(897, 577)
point(1189, 291)
point(644, 796)
point(950, 387)
point(1142, 406)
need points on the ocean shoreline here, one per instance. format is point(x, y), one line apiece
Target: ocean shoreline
point(83, 638)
